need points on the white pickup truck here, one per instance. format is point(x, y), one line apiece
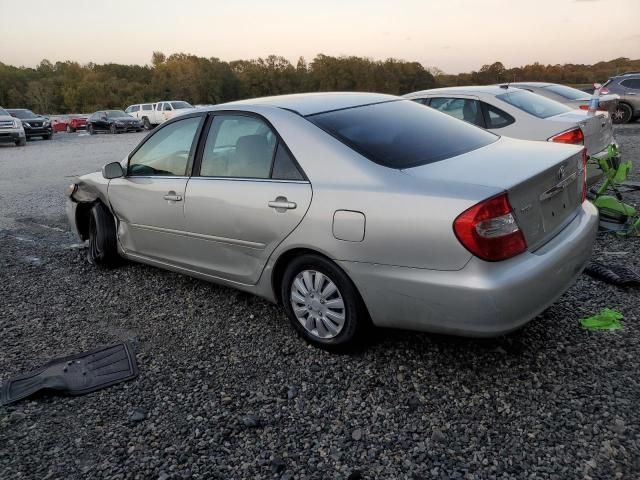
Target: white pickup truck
point(152, 114)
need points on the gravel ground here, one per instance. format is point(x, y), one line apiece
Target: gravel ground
point(226, 390)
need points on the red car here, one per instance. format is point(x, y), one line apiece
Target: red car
point(70, 123)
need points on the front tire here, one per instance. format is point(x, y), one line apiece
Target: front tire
point(113, 129)
point(103, 243)
point(47, 137)
point(146, 123)
point(91, 130)
point(323, 304)
point(622, 113)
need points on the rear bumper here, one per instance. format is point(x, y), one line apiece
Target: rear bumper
point(483, 299)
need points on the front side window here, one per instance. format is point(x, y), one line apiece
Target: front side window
point(238, 146)
point(461, 108)
point(401, 133)
point(167, 107)
point(136, 108)
point(167, 152)
point(496, 118)
point(536, 105)
point(129, 109)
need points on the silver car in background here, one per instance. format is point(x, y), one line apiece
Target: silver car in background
point(349, 209)
point(518, 113)
point(569, 96)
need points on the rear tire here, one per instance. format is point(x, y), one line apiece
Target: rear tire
point(103, 243)
point(340, 327)
point(146, 123)
point(622, 113)
point(91, 130)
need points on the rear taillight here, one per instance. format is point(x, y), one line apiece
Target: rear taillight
point(573, 136)
point(585, 158)
point(586, 107)
point(604, 91)
point(489, 230)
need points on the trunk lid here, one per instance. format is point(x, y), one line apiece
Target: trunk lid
point(543, 181)
point(597, 129)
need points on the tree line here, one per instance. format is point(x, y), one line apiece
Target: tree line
point(66, 87)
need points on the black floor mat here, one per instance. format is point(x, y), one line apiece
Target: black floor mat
point(614, 274)
point(76, 374)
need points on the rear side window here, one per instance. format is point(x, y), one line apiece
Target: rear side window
point(536, 105)
point(461, 108)
point(238, 146)
point(147, 107)
point(633, 83)
point(402, 134)
point(284, 168)
point(496, 118)
point(568, 92)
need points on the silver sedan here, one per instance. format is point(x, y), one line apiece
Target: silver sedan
point(518, 113)
point(349, 210)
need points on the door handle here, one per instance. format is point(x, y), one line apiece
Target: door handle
point(281, 204)
point(172, 197)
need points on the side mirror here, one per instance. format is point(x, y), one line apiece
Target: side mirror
point(112, 170)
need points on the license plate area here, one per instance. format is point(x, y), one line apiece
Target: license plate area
point(558, 203)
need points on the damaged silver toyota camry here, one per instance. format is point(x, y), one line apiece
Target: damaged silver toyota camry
point(349, 209)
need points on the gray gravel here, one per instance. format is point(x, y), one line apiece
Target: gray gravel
point(226, 390)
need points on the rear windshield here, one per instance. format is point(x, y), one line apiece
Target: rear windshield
point(568, 92)
point(23, 114)
point(402, 134)
point(536, 105)
point(180, 105)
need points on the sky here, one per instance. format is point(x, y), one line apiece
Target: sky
point(453, 35)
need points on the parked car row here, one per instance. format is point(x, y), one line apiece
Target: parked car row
point(519, 113)
point(359, 209)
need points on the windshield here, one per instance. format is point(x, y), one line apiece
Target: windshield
point(4, 113)
point(116, 114)
point(536, 105)
point(401, 133)
point(23, 114)
point(568, 92)
point(180, 105)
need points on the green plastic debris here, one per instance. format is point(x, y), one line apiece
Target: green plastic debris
point(607, 319)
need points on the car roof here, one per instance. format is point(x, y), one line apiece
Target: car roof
point(312, 103)
point(488, 89)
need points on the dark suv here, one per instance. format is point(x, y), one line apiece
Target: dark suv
point(34, 125)
point(627, 86)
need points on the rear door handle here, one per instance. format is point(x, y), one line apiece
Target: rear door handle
point(172, 197)
point(282, 204)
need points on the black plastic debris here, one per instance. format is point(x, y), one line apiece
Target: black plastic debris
point(614, 274)
point(76, 374)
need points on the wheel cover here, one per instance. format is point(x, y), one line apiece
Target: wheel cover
point(317, 304)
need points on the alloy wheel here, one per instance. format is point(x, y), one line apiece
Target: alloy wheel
point(318, 304)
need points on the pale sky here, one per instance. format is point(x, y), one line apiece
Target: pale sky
point(453, 35)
